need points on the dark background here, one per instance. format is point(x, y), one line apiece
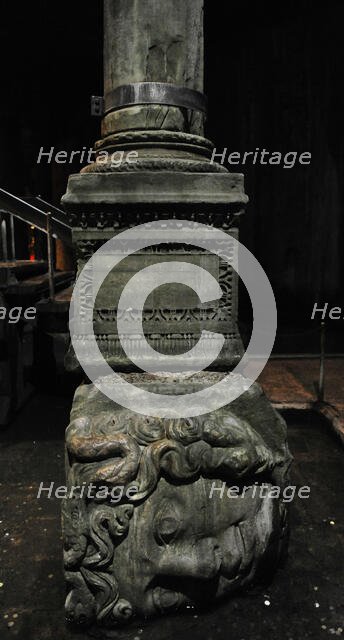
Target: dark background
point(273, 79)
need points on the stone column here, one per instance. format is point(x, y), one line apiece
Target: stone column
point(172, 536)
point(144, 42)
point(153, 52)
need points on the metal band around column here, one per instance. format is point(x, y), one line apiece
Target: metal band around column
point(155, 93)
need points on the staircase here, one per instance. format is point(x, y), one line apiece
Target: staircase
point(25, 284)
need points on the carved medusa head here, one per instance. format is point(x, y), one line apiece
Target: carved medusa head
point(177, 540)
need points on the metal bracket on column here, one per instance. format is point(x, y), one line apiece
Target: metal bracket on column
point(149, 93)
point(97, 105)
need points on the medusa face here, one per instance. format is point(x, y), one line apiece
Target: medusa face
point(176, 541)
point(184, 547)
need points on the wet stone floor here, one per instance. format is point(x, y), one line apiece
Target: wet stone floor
point(304, 600)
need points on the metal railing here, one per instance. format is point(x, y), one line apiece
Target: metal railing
point(34, 211)
point(45, 217)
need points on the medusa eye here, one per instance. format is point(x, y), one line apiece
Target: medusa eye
point(167, 525)
point(167, 529)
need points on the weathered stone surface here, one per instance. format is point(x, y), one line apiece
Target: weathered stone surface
point(160, 117)
point(143, 43)
point(154, 188)
point(174, 541)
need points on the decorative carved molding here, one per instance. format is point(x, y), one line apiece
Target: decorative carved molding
point(155, 135)
point(154, 164)
point(119, 219)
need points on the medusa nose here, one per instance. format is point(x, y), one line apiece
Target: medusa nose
point(199, 560)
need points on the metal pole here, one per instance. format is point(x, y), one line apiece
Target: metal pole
point(50, 258)
point(13, 242)
point(321, 387)
point(4, 239)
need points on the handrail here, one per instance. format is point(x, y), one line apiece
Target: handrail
point(31, 214)
point(47, 207)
